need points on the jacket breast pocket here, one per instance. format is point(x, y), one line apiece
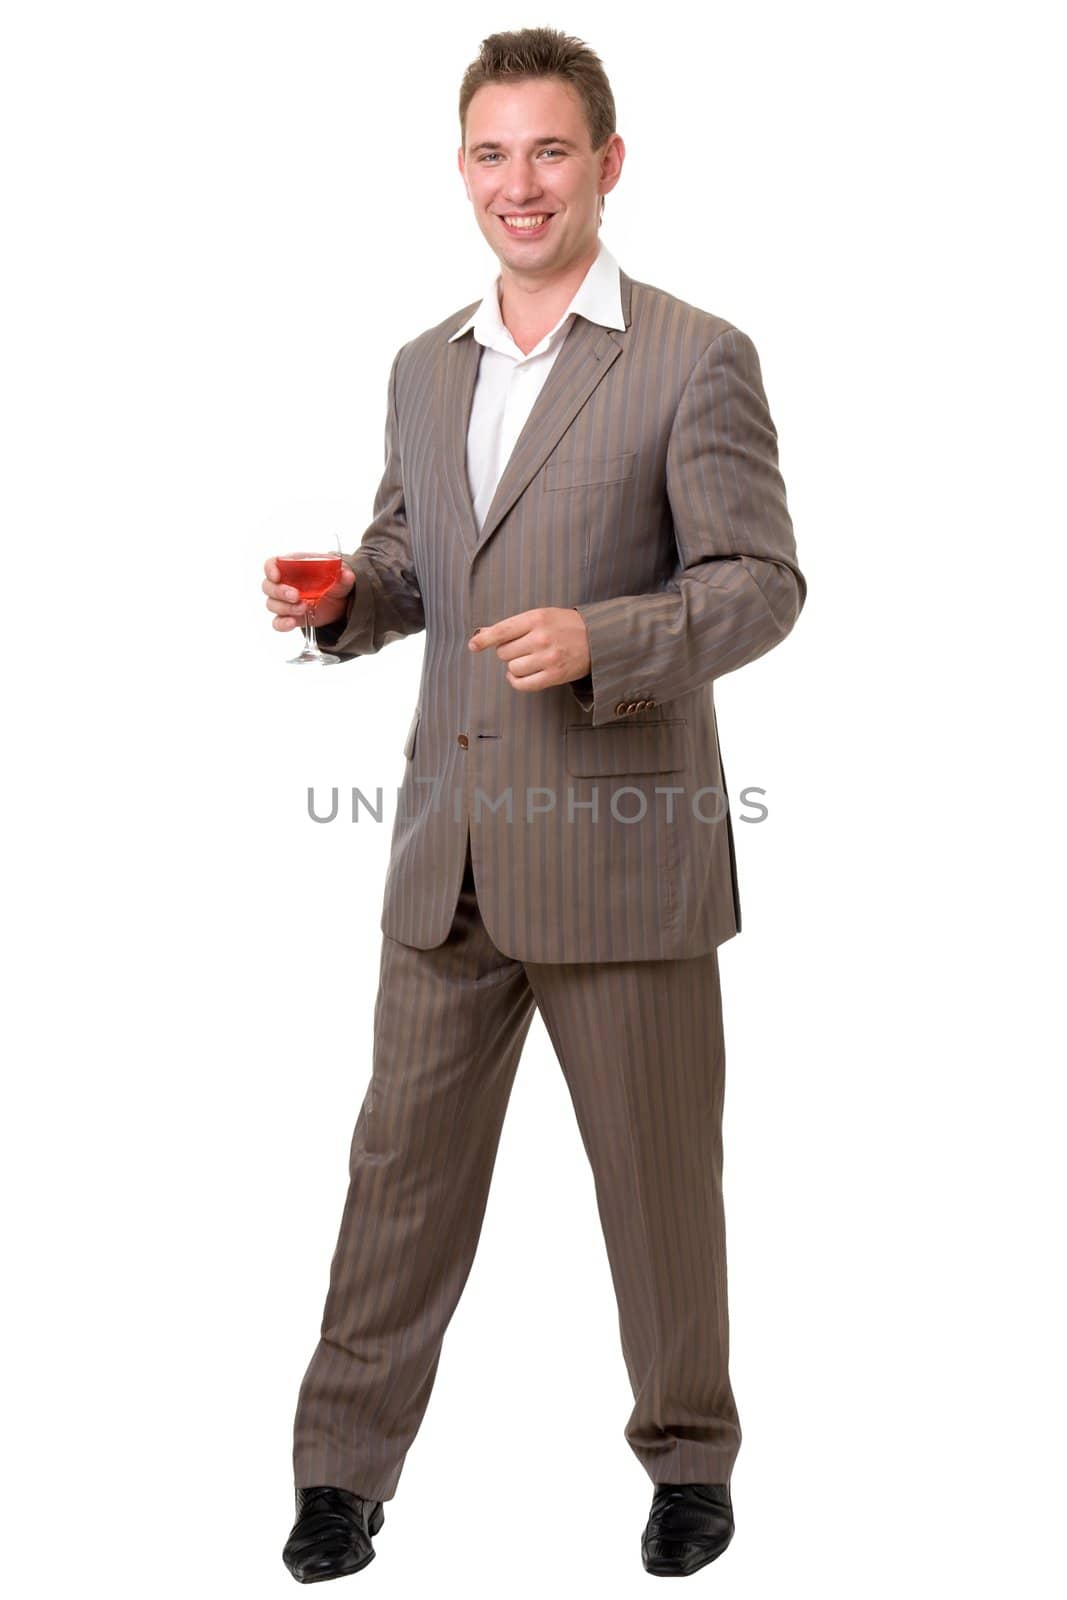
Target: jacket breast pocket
point(615, 750)
point(574, 472)
point(409, 742)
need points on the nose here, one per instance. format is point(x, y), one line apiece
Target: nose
point(523, 184)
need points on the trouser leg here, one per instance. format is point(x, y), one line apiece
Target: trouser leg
point(641, 1046)
point(449, 1026)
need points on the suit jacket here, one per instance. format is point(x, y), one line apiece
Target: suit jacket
point(644, 490)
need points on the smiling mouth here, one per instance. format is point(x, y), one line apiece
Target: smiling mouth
point(523, 222)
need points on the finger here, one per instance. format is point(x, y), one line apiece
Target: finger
point(532, 680)
point(280, 591)
point(286, 624)
point(519, 649)
point(270, 567)
point(502, 638)
point(280, 597)
point(501, 632)
point(286, 608)
point(522, 662)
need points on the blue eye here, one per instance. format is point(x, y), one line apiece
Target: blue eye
point(553, 150)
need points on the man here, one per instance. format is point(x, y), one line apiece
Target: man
point(582, 507)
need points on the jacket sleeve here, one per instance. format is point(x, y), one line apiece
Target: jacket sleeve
point(385, 602)
point(736, 589)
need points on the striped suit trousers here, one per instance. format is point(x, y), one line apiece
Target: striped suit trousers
point(641, 1047)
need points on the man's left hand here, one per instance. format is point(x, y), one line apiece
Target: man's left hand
point(543, 647)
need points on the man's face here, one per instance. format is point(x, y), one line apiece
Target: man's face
point(540, 163)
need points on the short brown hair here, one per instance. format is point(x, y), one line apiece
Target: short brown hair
point(544, 53)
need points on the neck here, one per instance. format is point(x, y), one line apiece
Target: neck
point(530, 306)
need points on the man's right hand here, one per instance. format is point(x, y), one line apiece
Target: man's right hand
point(288, 607)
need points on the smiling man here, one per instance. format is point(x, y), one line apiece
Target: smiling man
point(582, 509)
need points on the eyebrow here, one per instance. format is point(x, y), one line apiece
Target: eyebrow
point(493, 144)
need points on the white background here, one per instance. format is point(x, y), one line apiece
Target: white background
point(222, 220)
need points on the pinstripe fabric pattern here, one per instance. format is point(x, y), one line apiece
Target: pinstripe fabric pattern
point(641, 1046)
point(644, 490)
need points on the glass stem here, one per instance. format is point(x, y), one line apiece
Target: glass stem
point(309, 630)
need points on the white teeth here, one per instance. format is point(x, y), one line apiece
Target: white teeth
point(525, 222)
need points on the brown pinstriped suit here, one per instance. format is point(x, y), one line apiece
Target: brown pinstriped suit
point(569, 850)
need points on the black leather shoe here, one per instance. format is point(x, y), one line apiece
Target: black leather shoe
point(689, 1525)
point(331, 1534)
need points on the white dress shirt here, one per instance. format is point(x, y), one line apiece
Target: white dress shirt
point(509, 382)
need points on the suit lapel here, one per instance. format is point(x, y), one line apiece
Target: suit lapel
point(587, 353)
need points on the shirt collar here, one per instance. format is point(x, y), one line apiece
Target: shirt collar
point(598, 298)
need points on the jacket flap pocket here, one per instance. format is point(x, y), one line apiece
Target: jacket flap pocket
point(574, 471)
point(616, 749)
point(409, 742)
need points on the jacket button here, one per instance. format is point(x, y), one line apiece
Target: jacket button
point(462, 740)
point(620, 708)
point(650, 702)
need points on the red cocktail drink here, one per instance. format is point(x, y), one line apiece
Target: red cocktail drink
point(312, 573)
point(310, 576)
